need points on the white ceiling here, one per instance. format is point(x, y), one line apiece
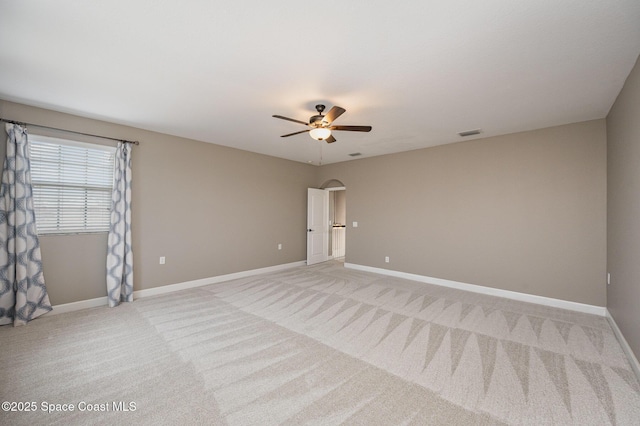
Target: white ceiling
point(418, 71)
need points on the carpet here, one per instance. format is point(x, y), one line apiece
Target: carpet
point(318, 345)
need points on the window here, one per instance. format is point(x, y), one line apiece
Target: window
point(72, 184)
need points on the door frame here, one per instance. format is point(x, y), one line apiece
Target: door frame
point(334, 189)
point(327, 225)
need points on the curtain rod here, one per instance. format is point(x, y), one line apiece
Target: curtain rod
point(22, 123)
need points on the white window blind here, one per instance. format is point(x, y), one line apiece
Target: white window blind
point(72, 184)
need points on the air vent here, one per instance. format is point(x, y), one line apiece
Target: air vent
point(355, 154)
point(470, 133)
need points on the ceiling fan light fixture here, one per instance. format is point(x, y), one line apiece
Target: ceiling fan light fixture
point(320, 133)
point(320, 126)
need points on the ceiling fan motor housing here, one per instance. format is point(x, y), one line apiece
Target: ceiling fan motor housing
point(316, 121)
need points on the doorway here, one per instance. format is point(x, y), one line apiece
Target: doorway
point(337, 223)
point(326, 222)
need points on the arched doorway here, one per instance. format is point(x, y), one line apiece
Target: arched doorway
point(338, 223)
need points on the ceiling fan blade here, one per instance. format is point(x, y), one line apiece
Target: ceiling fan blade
point(330, 139)
point(352, 128)
point(290, 119)
point(295, 133)
point(333, 113)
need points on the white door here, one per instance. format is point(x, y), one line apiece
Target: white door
point(317, 225)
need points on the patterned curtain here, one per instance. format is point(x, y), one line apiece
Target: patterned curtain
point(23, 295)
point(119, 254)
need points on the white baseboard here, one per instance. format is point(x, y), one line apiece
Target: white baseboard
point(77, 306)
point(522, 297)
point(213, 280)
point(102, 301)
point(635, 365)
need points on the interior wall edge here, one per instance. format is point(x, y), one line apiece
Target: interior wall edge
point(633, 361)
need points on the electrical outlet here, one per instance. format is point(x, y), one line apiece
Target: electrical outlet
point(386, 259)
point(162, 260)
point(279, 246)
point(355, 224)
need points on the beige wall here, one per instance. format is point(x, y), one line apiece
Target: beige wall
point(623, 214)
point(524, 212)
point(210, 210)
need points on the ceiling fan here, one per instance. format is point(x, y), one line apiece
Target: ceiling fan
point(321, 124)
